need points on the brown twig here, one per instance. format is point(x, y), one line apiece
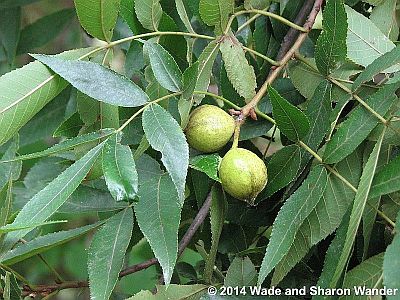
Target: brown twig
point(246, 110)
point(47, 289)
point(292, 33)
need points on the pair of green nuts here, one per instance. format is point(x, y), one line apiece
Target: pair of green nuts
point(243, 174)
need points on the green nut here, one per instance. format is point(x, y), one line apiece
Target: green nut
point(243, 174)
point(209, 128)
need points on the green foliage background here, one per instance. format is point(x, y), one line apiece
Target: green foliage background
point(97, 179)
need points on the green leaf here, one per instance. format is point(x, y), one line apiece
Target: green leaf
point(98, 17)
point(256, 4)
point(332, 257)
point(158, 213)
point(325, 217)
point(216, 12)
point(10, 227)
point(292, 122)
point(6, 202)
point(331, 46)
point(180, 7)
point(173, 291)
point(241, 273)
point(391, 262)
point(9, 171)
point(106, 254)
point(357, 210)
point(53, 114)
point(290, 218)
point(318, 111)
point(149, 13)
point(64, 145)
point(119, 170)
point(359, 124)
point(26, 91)
point(165, 135)
point(44, 30)
point(86, 199)
point(384, 17)
point(379, 65)
point(239, 72)
point(365, 42)
point(189, 80)
point(367, 274)
point(206, 62)
point(10, 23)
point(129, 15)
point(88, 108)
point(44, 243)
point(70, 127)
point(96, 81)
point(12, 290)
point(46, 202)
point(282, 169)
point(217, 219)
point(387, 180)
point(164, 67)
point(208, 164)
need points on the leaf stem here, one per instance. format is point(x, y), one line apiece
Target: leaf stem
point(309, 150)
point(267, 14)
point(159, 33)
point(144, 35)
point(286, 58)
point(346, 182)
point(362, 102)
point(144, 107)
point(266, 58)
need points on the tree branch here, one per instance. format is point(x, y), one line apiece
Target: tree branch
point(246, 110)
point(45, 290)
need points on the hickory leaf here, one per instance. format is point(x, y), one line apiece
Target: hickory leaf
point(46, 202)
point(165, 135)
point(387, 180)
point(282, 169)
point(360, 202)
point(44, 30)
point(391, 263)
point(107, 252)
point(96, 81)
point(149, 13)
point(164, 67)
point(290, 218)
point(331, 46)
point(10, 23)
point(366, 274)
point(216, 12)
point(208, 164)
point(241, 272)
point(359, 124)
point(238, 69)
point(365, 42)
point(292, 122)
point(65, 145)
point(379, 65)
point(44, 243)
point(98, 17)
point(26, 91)
point(180, 7)
point(158, 213)
point(119, 170)
point(325, 217)
point(206, 62)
